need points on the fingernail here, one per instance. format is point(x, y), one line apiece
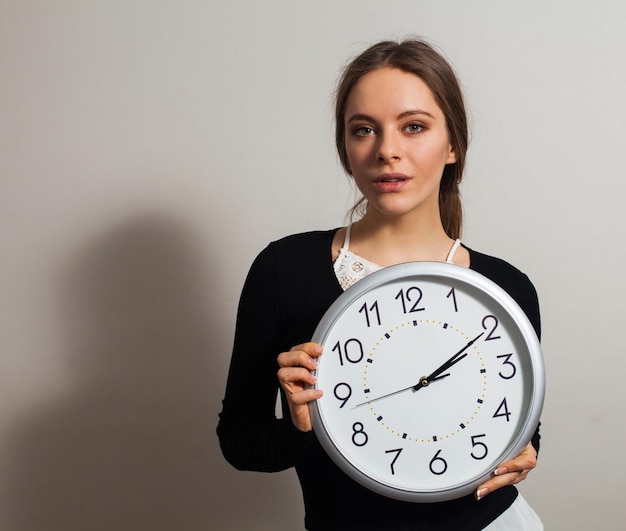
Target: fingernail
point(500, 471)
point(481, 493)
point(313, 364)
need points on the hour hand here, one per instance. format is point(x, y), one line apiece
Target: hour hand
point(425, 380)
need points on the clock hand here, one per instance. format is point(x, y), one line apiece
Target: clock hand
point(426, 380)
point(399, 391)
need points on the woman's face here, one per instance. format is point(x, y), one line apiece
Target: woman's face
point(397, 143)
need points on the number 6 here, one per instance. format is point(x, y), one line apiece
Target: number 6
point(442, 464)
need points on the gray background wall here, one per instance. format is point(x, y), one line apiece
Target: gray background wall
point(149, 150)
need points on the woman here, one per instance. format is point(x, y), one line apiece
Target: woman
point(401, 133)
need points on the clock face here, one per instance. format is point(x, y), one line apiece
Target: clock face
point(432, 377)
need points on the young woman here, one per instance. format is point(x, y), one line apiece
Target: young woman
point(401, 133)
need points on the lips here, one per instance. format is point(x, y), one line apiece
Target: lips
point(391, 178)
point(391, 182)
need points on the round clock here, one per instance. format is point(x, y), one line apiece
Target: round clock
point(432, 377)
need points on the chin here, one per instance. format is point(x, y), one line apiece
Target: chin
point(401, 205)
point(394, 209)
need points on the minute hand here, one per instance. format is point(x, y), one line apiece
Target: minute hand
point(424, 381)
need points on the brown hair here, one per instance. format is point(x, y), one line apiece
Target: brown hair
point(416, 57)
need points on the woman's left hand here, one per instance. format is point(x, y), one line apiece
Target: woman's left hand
point(511, 472)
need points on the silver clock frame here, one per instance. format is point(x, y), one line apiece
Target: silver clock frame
point(476, 280)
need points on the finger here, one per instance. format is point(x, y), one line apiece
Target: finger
point(290, 377)
point(497, 482)
point(299, 397)
point(510, 473)
point(301, 356)
point(302, 398)
point(527, 460)
point(313, 349)
point(297, 358)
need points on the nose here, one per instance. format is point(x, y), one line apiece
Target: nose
point(389, 149)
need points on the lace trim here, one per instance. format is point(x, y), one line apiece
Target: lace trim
point(350, 268)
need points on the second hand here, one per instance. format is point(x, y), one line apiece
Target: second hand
point(399, 391)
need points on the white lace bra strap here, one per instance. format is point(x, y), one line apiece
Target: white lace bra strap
point(456, 245)
point(346, 240)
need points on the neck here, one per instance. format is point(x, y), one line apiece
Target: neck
point(388, 240)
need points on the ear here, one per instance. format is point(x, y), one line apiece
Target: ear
point(452, 158)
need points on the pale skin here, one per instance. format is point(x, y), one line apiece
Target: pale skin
point(398, 145)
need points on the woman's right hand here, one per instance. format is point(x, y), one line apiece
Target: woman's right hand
point(295, 377)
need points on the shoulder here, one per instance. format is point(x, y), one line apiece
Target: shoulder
point(312, 247)
point(293, 257)
point(512, 280)
point(304, 242)
point(288, 266)
point(498, 270)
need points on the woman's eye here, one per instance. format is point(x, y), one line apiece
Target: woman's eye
point(414, 128)
point(363, 131)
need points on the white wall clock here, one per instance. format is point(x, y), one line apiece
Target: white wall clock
point(432, 377)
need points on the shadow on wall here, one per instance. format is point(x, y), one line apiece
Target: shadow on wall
point(126, 446)
point(131, 444)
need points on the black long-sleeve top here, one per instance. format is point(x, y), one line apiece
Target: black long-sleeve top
point(288, 289)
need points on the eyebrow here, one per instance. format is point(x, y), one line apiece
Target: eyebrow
point(405, 114)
